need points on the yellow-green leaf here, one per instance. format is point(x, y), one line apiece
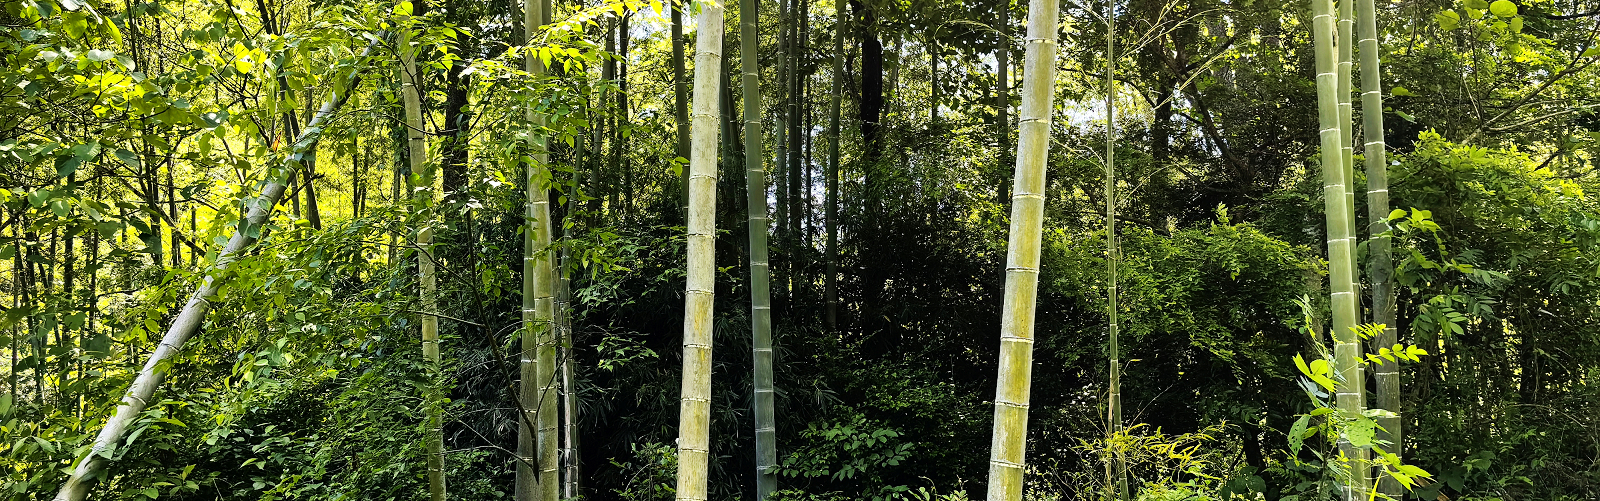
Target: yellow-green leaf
point(1503, 8)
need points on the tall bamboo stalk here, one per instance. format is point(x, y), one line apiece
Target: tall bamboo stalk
point(1002, 105)
point(258, 212)
point(830, 217)
point(1380, 264)
point(1116, 467)
point(1341, 241)
point(1009, 446)
point(537, 442)
point(422, 198)
point(760, 279)
point(680, 93)
point(694, 411)
point(781, 143)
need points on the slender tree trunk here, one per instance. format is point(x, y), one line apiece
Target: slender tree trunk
point(422, 199)
point(830, 217)
point(188, 320)
point(680, 103)
point(796, 234)
point(1344, 44)
point(781, 160)
point(760, 295)
point(569, 397)
point(1340, 239)
point(1002, 105)
point(694, 413)
point(614, 158)
point(1116, 466)
point(172, 211)
point(620, 163)
point(933, 79)
point(537, 441)
point(1380, 265)
point(1006, 454)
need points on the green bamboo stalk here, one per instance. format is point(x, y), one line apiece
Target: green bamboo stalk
point(830, 214)
point(1009, 441)
point(680, 91)
point(1341, 242)
point(760, 278)
point(537, 441)
point(421, 180)
point(694, 411)
point(781, 144)
point(1116, 468)
point(1347, 125)
point(188, 320)
point(1380, 264)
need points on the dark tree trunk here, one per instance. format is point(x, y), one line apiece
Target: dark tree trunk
point(871, 109)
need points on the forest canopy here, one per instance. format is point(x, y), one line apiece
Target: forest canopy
point(789, 250)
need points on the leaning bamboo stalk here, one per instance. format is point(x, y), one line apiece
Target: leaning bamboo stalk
point(259, 211)
point(1007, 451)
point(1380, 266)
point(1341, 242)
point(694, 411)
point(760, 275)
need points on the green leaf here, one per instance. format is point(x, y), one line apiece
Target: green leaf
point(1361, 431)
point(1297, 434)
point(128, 158)
point(1301, 363)
point(1476, 4)
point(98, 55)
point(1591, 52)
point(402, 9)
point(1319, 366)
point(1448, 20)
point(1326, 383)
point(1502, 8)
point(1400, 91)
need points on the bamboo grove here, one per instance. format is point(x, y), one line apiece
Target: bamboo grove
point(800, 250)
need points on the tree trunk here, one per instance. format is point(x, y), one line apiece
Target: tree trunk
point(781, 159)
point(933, 79)
point(188, 320)
point(871, 110)
point(422, 199)
point(1002, 105)
point(621, 165)
point(680, 103)
point(1380, 265)
point(457, 119)
point(830, 217)
point(1340, 239)
point(694, 412)
point(798, 240)
point(760, 296)
point(537, 441)
point(1116, 466)
point(1006, 455)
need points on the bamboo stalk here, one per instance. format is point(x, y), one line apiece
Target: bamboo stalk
point(1341, 243)
point(760, 275)
point(258, 212)
point(694, 411)
point(1380, 264)
point(422, 198)
point(1009, 446)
